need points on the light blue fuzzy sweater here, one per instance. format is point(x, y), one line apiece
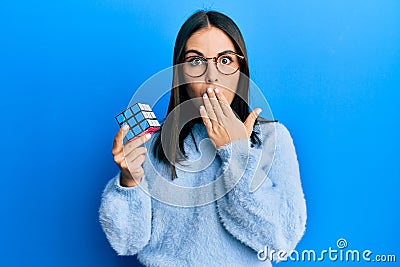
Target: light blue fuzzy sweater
point(226, 232)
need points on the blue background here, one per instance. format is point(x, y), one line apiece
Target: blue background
point(329, 69)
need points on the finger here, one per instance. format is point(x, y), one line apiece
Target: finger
point(136, 152)
point(119, 158)
point(136, 162)
point(251, 119)
point(118, 139)
point(209, 109)
point(225, 106)
point(206, 119)
point(123, 165)
point(215, 105)
point(136, 142)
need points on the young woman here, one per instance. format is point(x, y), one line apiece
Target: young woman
point(170, 208)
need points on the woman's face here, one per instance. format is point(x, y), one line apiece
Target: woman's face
point(208, 43)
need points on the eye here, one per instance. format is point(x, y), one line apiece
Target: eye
point(195, 61)
point(225, 60)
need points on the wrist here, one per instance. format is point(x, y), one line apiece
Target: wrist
point(126, 180)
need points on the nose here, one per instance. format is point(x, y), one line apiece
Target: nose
point(211, 73)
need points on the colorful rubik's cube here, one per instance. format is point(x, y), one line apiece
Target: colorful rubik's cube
point(141, 120)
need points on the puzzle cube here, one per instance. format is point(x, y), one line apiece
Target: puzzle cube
point(141, 120)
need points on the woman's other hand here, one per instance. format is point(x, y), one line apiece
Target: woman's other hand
point(129, 157)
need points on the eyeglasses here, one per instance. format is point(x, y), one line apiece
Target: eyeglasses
point(227, 63)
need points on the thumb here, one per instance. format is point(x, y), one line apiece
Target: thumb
point(251, 119)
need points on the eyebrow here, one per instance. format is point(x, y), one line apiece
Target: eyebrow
point(201, 54)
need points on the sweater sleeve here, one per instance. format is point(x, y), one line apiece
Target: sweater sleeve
point(274, 215)
point(125, 216)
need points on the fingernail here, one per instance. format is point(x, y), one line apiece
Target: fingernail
point(148, 136)
point(205, 96)
point(209, 90)
point(201, 107)
point(125, 127)
point(216, 90)
point(258, 111)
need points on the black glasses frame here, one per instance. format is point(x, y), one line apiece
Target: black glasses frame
point(214, 59)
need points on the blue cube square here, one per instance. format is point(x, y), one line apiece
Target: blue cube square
point(128, 113)
point(129, 135)
point(139, 117)
point(120, 118)
point(132, 122)
point(136, 130)
point(144, 125)
point(135, 108)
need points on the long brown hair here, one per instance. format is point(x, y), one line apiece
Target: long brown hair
point(239, 105)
